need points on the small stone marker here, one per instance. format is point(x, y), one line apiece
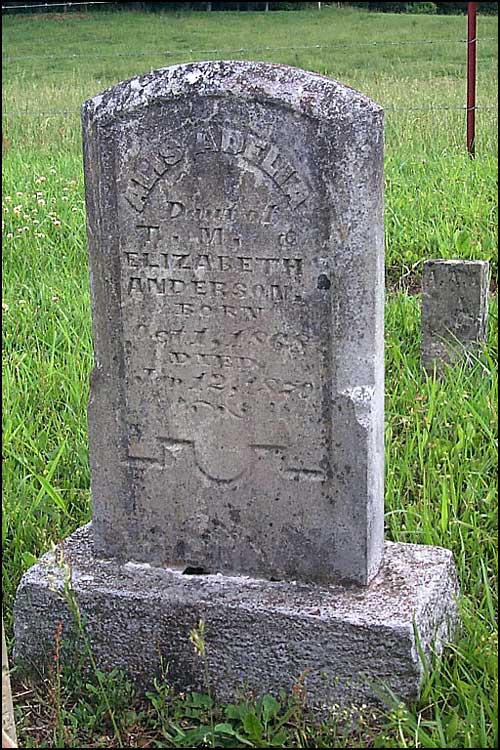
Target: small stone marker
point(236, 416)
point(454, 310)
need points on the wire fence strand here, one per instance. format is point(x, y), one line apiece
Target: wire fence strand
point(57, 5)
point(183, 53)
point(243, 50)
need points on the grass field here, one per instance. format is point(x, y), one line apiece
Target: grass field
point(441, 436)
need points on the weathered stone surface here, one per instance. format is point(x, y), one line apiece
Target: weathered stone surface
point(454, 310)
point(260, 635)
point(236, 249)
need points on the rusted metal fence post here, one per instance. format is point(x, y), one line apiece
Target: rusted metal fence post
point(471, 77)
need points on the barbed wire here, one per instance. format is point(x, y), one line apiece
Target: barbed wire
point(58, 5)
point(389, 108)
point(239, 50)
point(213, 51)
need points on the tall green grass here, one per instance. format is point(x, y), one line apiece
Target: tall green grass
point(441, 435)
point(439, 202)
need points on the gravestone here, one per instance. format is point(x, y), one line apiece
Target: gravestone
point(236, 419)
point(236, 414)
point(454, 310)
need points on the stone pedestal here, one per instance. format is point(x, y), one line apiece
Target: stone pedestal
point(351, 642)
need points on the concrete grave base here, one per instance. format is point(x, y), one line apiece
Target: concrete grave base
point(260, 635)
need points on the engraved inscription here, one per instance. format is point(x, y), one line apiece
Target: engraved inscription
point(261, 154)
point(214, 287)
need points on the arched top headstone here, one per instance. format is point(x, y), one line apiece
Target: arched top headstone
point(309, 94)
point(235, 229)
